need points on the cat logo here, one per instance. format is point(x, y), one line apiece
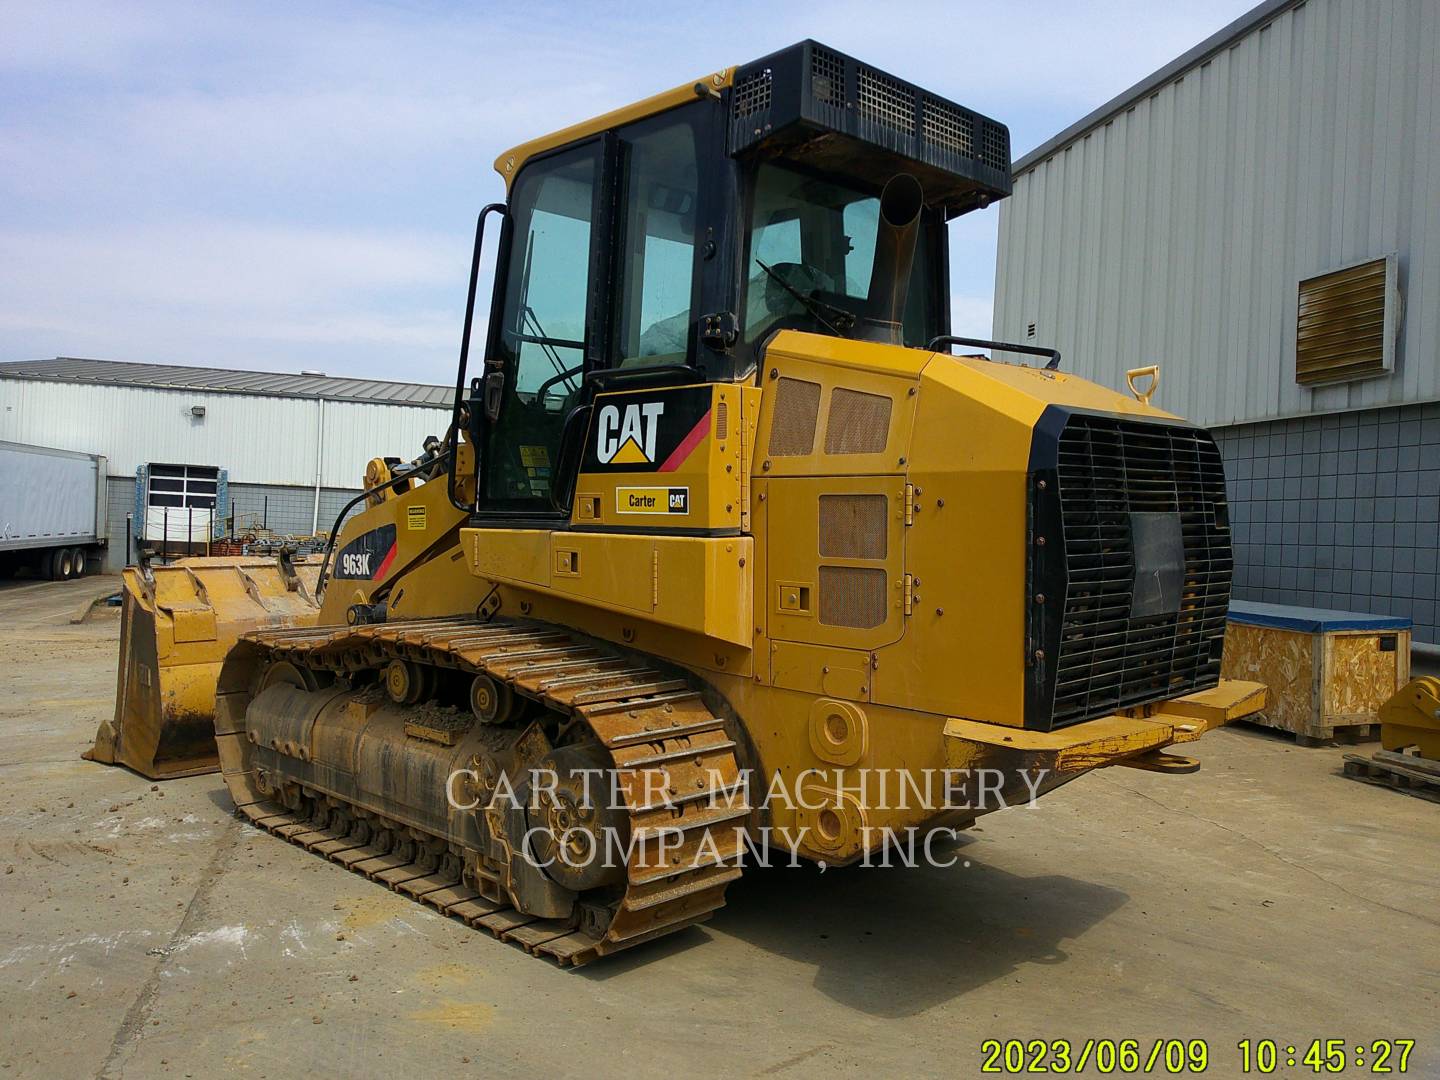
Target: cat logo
point(628, 438)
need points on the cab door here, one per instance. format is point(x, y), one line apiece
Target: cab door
point(601, 273)
point(542, 344)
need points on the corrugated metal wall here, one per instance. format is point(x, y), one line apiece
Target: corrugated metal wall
point(1178, 231)
point(260, 440)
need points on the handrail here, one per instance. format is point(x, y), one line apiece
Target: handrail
point(340, 517)
point(452, 437)
point(946, 340)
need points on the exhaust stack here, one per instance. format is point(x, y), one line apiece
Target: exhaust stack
point(901, 203)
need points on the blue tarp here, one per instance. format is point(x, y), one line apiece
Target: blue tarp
point(1309, 620)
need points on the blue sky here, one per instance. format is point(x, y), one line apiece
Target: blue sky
point(288, 186)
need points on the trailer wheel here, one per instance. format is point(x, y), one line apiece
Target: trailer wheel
point(77, 560)
point(62, 565)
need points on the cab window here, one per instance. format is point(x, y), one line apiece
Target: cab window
point(660, 185)
point(815, 236)
point(543, 325)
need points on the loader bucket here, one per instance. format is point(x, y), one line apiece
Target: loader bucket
point(177, 624)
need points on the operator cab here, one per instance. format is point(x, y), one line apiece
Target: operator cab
point(665, 243)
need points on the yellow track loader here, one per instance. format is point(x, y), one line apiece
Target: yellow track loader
point(726, 549)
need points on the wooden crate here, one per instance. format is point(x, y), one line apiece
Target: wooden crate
point(1326, 670)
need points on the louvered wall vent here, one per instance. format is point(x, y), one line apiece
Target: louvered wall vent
point(1346, 323)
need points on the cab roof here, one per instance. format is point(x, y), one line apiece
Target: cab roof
point(511, 161)
point(815, 106)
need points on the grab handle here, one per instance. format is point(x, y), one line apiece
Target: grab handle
point(1143, 396)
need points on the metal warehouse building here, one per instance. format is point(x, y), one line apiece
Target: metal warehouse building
point(1261, 217)
point(210, 449)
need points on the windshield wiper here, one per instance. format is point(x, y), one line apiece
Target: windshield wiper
point(816, 307)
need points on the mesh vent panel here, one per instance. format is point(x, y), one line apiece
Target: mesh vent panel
point(797, 408)
point(722, 420)
point(995, 150)
point(752, 93)
point(858, 423)
point(827, 77)
point(886, 101)
point(853, 526)
point(944, 125)
point(853, 596)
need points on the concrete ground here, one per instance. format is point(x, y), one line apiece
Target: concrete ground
point(144, 931)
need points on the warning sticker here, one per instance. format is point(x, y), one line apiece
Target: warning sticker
point(416, 518)
point(652, 500)
point(535, 457)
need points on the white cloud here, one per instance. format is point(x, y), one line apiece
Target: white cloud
point(209, 262)
point(226, 292)
point(280, 185)
point(79, 38)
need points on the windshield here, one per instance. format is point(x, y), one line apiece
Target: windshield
point(812, 248)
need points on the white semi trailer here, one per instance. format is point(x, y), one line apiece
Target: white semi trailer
point(52, 511)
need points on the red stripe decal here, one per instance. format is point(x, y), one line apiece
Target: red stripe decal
point(688, 444)
point(385, 563)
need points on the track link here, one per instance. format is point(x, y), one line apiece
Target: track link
point(677, 769)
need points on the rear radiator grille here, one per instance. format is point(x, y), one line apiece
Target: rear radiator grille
point(857, 423)
point(797, 407)
point(852, 526)
point(1128, 637)
point(853, 596)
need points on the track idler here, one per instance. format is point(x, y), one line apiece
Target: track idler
point(577, 831)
